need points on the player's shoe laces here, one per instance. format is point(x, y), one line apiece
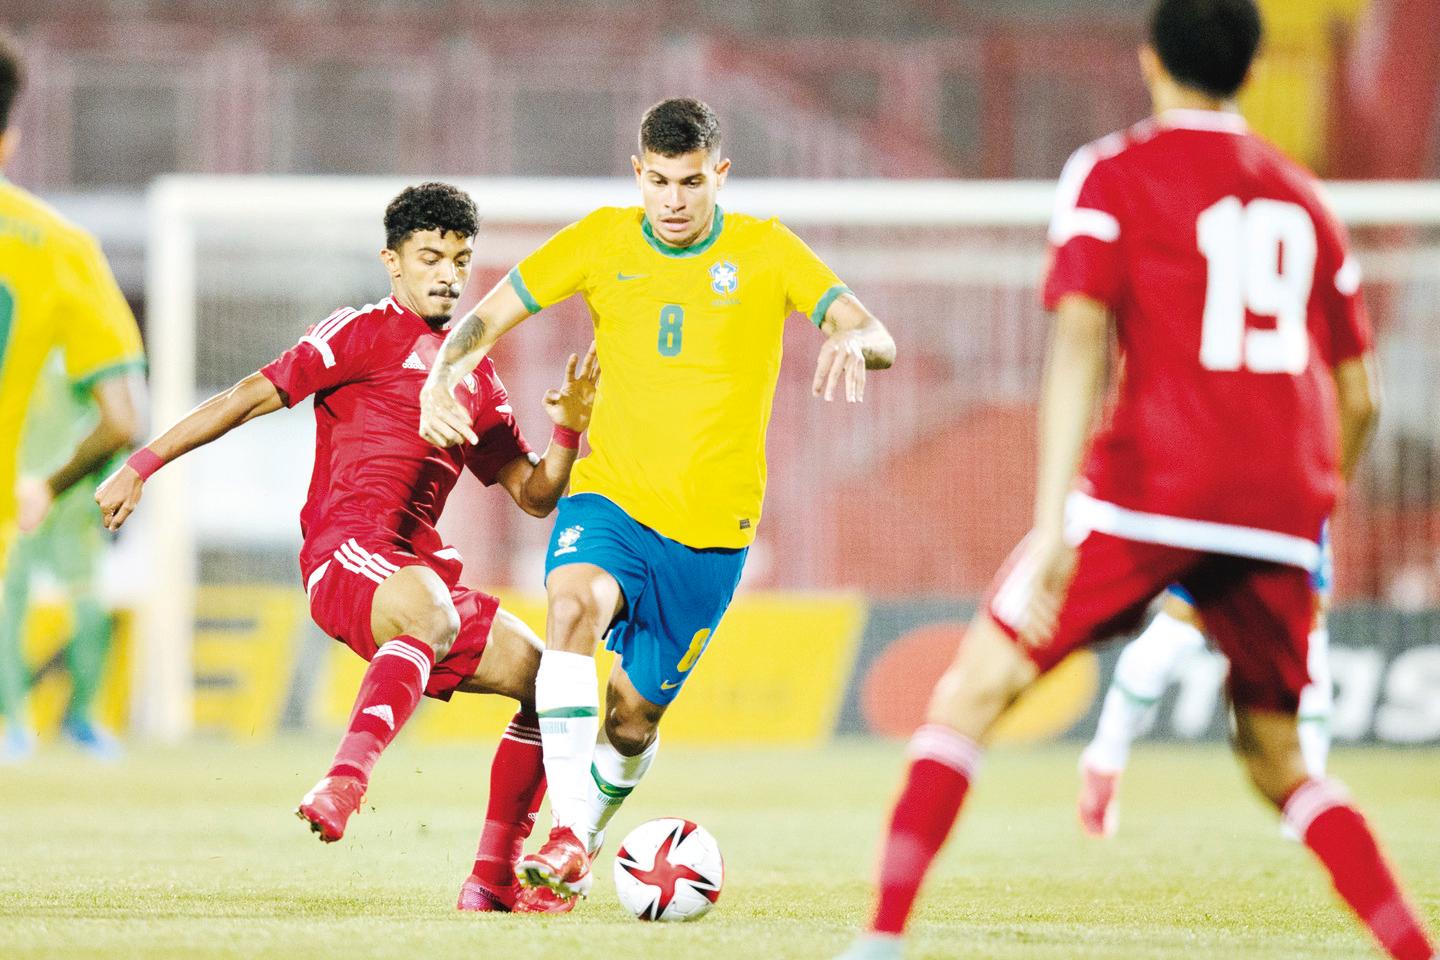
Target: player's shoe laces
point(92, 738)
point(875, 946)
point(1099, 812)
point(330, 804)
point(561, 864)
point(477, 896)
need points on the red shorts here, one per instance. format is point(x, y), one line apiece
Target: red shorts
point(342, 590)
point(1256, 612)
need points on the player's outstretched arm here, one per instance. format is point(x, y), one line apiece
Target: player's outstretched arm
point(444, 421)
point(252, 397)
point(1357, 398)
point(537, 487)
point(117, 427)
point(855, 342)
point(1069, 395)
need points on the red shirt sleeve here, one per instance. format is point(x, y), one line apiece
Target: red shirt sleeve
point(332, 352)
point(500, 438)
point(1337, 285)
point(1085, 232)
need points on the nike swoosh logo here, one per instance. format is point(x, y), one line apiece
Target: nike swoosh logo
point(628, 276)
point(667, 685)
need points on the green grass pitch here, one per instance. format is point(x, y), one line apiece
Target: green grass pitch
point(194, 853)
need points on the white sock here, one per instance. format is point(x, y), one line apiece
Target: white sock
point(568, 701)
point(612, 777)
point(1141, 676)
point(1316, 702)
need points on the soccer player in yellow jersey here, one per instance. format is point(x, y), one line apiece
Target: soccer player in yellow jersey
point(56, 293)
point(689, 303)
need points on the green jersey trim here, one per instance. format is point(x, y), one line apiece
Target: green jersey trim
point(522, 291)
point(87, 383)
point(694, 250)
point(823, 307)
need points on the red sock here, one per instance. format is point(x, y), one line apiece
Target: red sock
point(1320, 811)
point(942, 764)
point(389, 692)
point(517, 785)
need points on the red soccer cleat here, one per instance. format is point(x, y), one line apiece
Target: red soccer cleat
point(330, 804)
point(477, 896)
point(1098, 810)
point(561, 864)
point(542, 900)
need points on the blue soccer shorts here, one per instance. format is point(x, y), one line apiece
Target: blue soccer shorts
point(674, 595)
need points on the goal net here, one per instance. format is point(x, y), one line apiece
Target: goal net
point(918, 493)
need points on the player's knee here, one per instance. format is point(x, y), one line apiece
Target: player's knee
point(436, 626)
point(630, 735)
point(572, 622)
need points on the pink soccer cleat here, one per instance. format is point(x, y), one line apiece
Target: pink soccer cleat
point(1098, 810)
point(477, 896)
point(561, 864)
point(330, 804)
point(542, 900)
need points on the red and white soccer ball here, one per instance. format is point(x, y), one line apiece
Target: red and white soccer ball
point(669, 870)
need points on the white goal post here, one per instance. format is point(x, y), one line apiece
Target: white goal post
point(231, 227)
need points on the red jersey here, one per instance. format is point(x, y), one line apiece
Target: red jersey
point(1234, 296)
point(375, 479)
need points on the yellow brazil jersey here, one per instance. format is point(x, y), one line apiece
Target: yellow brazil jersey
point(689, 343)
point(56, 293)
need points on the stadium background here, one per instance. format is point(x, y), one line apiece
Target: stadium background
point(870, 556)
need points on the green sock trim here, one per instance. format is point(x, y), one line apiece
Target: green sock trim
point(1315, 718)
point(560, 713)
point(610, 790)
point(1133, 697)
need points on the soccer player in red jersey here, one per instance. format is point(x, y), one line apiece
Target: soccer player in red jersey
point(1236, 306)
point(378, 576)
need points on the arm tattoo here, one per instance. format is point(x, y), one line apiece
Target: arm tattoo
point(463, 340)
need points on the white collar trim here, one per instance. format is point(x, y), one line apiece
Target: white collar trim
point(1219, 121)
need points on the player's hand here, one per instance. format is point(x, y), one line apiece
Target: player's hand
point(444, 421)
point(35, 497)
point(118, 496)
point(841, 361)
point(570, 405)
point(1054, 566)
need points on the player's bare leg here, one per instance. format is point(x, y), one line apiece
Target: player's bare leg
point(414, 623)
point(989, 671)
point(1321, 813)
point(583, 601)
point(628, 741)
point(1144, 670)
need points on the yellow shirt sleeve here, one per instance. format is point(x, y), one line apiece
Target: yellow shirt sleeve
point(558, 268)
point(810, 286)
point(97, 330)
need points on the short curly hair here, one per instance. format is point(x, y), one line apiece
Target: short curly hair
point(679, 126)
point(429, 206)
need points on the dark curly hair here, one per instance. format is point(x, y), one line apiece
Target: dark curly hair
point(12, 77)
point(429, 206)
point(678, 126)
point(1207, 45)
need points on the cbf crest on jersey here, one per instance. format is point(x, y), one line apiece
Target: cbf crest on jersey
point(724, 277)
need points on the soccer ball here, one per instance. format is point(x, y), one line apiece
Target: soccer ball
point(669, 869)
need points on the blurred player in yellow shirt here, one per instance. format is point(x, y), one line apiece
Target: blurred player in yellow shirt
point(689, 303)
point(56, 293)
